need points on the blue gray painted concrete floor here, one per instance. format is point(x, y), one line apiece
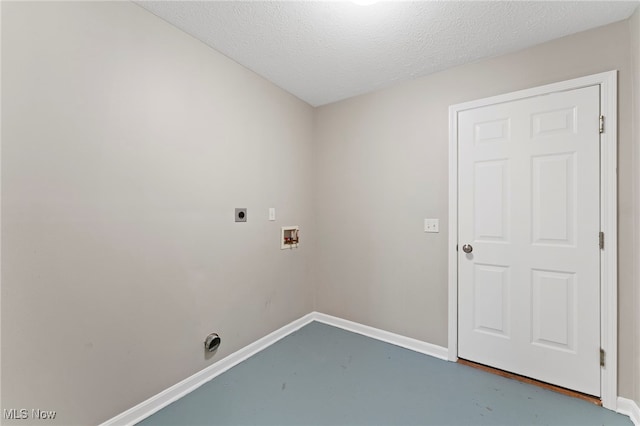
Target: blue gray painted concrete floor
point(322, 375)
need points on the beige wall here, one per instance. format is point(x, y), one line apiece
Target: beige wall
point(634, 28)
point(382, 166)
point(126, 145)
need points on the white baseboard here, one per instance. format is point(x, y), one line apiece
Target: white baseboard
point(157, 402)
point(385, 336)
point(629, 408)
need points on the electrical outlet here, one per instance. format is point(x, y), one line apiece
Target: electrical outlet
point(431, 225)
point(241, 215)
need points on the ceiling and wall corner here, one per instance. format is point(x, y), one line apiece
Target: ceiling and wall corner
point(324, 52)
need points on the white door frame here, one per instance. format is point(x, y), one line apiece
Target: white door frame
point(608, 217)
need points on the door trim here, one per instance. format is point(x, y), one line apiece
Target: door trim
point(608, 82)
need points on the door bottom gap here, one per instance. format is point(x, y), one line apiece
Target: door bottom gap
point(564, 391)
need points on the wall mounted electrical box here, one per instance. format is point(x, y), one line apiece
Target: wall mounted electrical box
point(241, 215)
point(289, 237)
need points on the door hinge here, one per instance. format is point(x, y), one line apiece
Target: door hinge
point(602, 124)
point(601, 240)
point(602, 357)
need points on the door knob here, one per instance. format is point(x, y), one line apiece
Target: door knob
point(467, 248)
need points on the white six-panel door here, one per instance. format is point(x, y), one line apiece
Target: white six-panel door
point(529, 208)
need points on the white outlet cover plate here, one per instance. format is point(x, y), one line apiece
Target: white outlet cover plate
point(432, 225)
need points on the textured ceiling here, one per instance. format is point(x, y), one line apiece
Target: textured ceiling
point(325, 51)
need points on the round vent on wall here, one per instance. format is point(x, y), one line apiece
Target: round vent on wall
point(212, 342)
